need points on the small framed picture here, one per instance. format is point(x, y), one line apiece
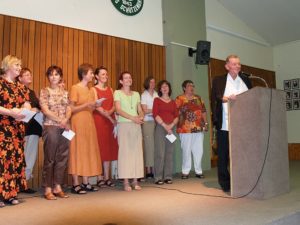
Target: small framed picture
point(295, 84)
point(296, 94)
point(287, 85)
point(296, 104)
point(289, 105)
point(288, 95)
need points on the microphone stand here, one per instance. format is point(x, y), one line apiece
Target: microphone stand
point(254, 77)
point(259, 78)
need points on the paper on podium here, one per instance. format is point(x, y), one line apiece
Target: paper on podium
point(69, 134)
point(171, 137)
point(28, 115)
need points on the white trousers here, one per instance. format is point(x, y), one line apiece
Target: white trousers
point(30, 152)
point(191, 144)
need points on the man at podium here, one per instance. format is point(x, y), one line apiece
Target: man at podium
point(224, 89)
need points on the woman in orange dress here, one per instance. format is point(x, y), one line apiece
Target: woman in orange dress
point(105, 121)
point(84, 158)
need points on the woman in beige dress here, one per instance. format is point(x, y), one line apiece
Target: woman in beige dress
point(85, 158)
point(131, 116)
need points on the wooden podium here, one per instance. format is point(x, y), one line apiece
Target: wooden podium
point(259, 165)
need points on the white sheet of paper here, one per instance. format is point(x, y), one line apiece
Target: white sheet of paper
point(69, 134)
point(171, 137)
point(28, 114)
point(39, 117)
point(100, 100)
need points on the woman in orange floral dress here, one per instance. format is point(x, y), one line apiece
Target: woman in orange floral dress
point(13, 97)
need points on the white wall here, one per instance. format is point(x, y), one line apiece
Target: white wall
point(229, 35)
point(98, 16)
point(287, 66)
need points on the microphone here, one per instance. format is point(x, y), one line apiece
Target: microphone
point(245, 74)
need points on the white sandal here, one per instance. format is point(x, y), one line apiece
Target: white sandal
point(2, 204)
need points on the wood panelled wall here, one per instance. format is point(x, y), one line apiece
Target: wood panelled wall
point(40, 45)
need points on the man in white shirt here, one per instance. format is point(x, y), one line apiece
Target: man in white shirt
point(224, 89)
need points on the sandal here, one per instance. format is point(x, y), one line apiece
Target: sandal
point(88, 187)
point(136, 186)
point(168, 181)
point(61, 194)
point(13, 201)
point(159, 182)
point(2, 204)
point(127, 187)
point(101, 183)
point(77, 189)
point(50, 196)
point(184, 176)
point(109, 183)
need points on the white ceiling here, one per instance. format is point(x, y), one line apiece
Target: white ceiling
point(277, 21)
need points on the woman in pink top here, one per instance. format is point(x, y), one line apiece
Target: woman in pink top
point(165, 114)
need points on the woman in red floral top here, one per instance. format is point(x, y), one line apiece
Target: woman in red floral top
point(192, 123)
point(13, 96)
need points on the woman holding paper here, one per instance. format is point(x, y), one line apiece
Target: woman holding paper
point(54, 103)
point(33, 129)
point(105, 121)
point(165, 114)
point(131, 116)
point(13, 96)
point(85, 157)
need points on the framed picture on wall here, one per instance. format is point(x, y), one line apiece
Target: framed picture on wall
point(296, 94)
point(287, 84)
point(288, 95)
point(295, 84)
point(296, 104)
point(289, 105)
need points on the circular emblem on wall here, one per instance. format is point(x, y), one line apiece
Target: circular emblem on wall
point(128, 7)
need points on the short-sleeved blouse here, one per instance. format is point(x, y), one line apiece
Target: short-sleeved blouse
point(128, 103)
point(57, 102)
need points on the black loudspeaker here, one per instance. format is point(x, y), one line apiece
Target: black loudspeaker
point(203, 52)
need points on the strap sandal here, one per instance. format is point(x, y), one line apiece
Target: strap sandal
point(168, 181)
point(200, 175)
point(136, 186)
point(50, 196)
point(77, 189)
point(89, 187)
point(13, 201)
point(101, 183)
point(159, 182)
point(127, 187)
point(184, 176)
point(61, 194)
point(2, 204)
point(109, 183)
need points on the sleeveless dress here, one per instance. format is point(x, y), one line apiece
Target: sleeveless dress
point(108, 144)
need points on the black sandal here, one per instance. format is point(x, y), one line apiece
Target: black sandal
point(101, 183)
point(88, 187)
point(109, 183)
point(12, 201)
point(77, 189)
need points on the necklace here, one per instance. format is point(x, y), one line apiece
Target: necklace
point(131, 106)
